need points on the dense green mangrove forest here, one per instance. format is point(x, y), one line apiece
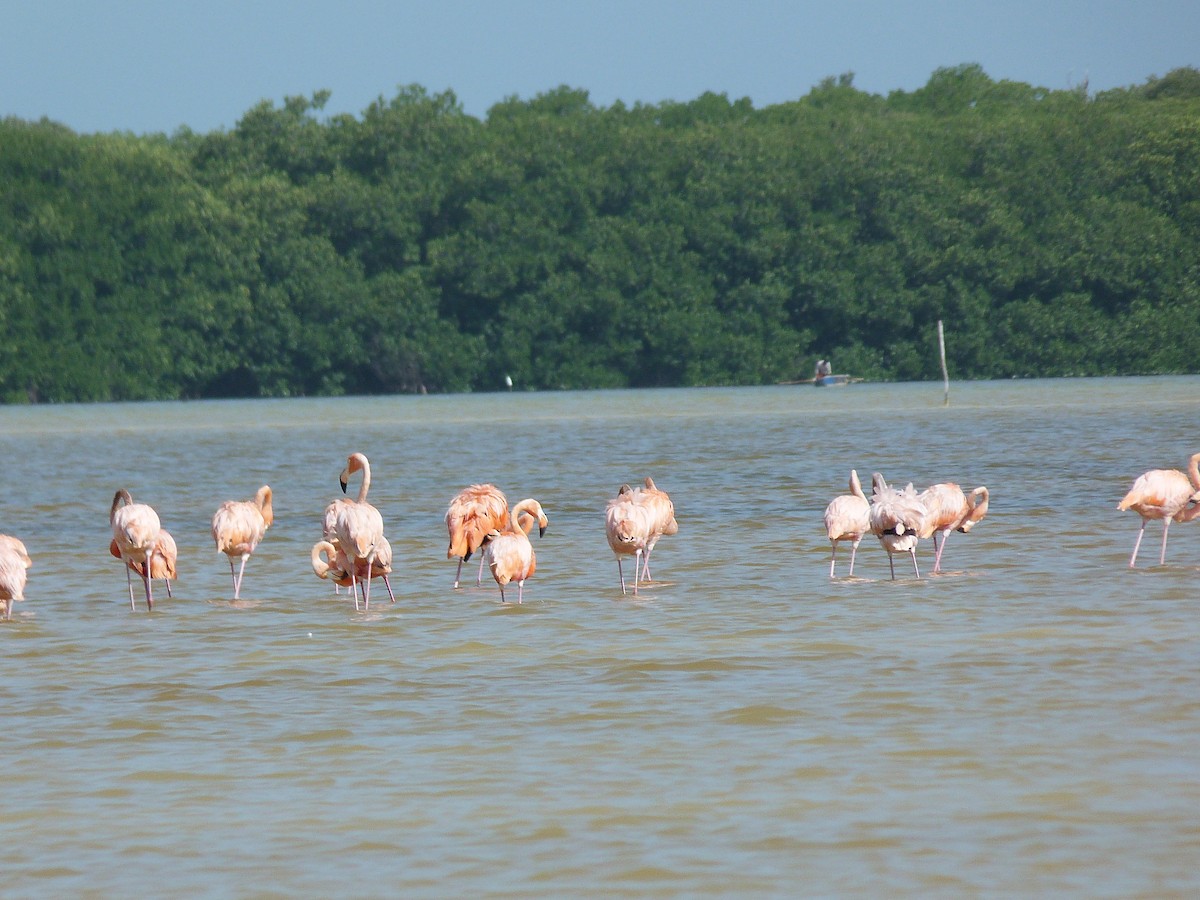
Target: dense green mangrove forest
point(416, 248)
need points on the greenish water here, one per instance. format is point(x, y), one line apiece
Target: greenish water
point(1027, 722)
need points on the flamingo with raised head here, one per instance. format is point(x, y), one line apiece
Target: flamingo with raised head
point(847, 518)
point(14, 563)
point(896, 519)
point(238, 527)
point(510, 552)
point(358, 527)
point(475, 512)
point(628, 525)
point(948, 509)
point(135, 528)
point(1164, 494)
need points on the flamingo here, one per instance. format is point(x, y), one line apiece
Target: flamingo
point(474, 512)
point(165, 558)
point(847, 518)
point(511, 552)
point(628, 525)
point(949, 509)
point(329, 562)
point(135, 529)
point(14, 561)
point(237, 528)
point(896, 518)
point(662, 518)
point(358, 526)
point(1164, 494)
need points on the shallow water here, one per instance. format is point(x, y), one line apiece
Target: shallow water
point(1027, 722)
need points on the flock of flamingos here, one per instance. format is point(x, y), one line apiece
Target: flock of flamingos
point(353, 550)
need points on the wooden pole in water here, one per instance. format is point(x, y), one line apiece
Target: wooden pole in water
point(945, 374)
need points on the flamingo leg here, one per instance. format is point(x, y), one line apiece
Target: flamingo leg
point(1137, 544)
point(853, 552)
point(832, 558)
point(458, 574)
point(937, 556)
point(167, 582)
point(637, 565)
point(913, 554)
point(354, 585)
point(237, 590)
point(622, 576)
point(479, 577)
point(367, 583)
point(129, 581)
point(146, 578)
point(521, 591)
point(233, 575)
point(1162, 556)
point(387, 584)
point(892, 566)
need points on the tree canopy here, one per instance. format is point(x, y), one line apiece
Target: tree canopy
point(416, 248)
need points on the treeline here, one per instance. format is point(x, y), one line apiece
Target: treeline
point(414, 247)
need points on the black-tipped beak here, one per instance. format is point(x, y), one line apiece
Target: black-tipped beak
point(343, 484)
point(542, 530)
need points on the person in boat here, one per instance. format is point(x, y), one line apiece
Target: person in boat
point(824, 367)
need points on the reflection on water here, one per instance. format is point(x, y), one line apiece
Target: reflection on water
point(1026, 722)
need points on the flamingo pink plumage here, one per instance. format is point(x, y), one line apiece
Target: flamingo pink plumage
point(847, 518)
point(948, 509)
point(329, 562)
point(135, 528)
point(628, 525)
point(475, 512)
point(510, 552)
point(1164, 494)
point(14, 561)
point(662, 518)
point(238, 527)
point(358, 526)
point(896, 519)
point(166, 557)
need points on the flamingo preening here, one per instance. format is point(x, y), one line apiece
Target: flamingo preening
point(662, 518)
point(237, 528)
point(847, 518)
point(510, 552)
point(329, 562)
point(1164, 494)
point(135, 528)
point(14, 561)
point(473, 514)
point(896, 517)
point(628, 525)
point(166, 557)
point(948, 509)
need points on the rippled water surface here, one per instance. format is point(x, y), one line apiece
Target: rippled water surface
point(1027, 722)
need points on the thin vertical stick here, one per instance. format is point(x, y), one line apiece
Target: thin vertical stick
point(945, 374)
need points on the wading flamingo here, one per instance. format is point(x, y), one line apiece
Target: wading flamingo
point(237, 528)
point(1164, 494)
point(628, 525)
point(14, 561)
point(358, 527)
point(510, 552)
point(331, 563)
point(662, 518)
point(165, 558)
point(948, 509)
point(475, 512)
point(896, 519)
point(847, 518)
point(135, 528)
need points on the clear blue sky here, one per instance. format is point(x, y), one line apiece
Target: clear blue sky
point(154, 65)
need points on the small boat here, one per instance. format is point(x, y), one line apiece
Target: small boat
point(832, 380)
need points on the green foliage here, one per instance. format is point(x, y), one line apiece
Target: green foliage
point(415, 248)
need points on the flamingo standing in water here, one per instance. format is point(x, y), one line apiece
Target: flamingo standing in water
point(511, 552)
point(165, 558)
point(1164, 494)
point(135, 529)
point(358, 527)
point(628, 525)
point(948, 509)
point(475, 512)
point(896, 519)
point(847, 518)
point(329, 562)
point(237, 528)
point(662, 519)
point(14, 561)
